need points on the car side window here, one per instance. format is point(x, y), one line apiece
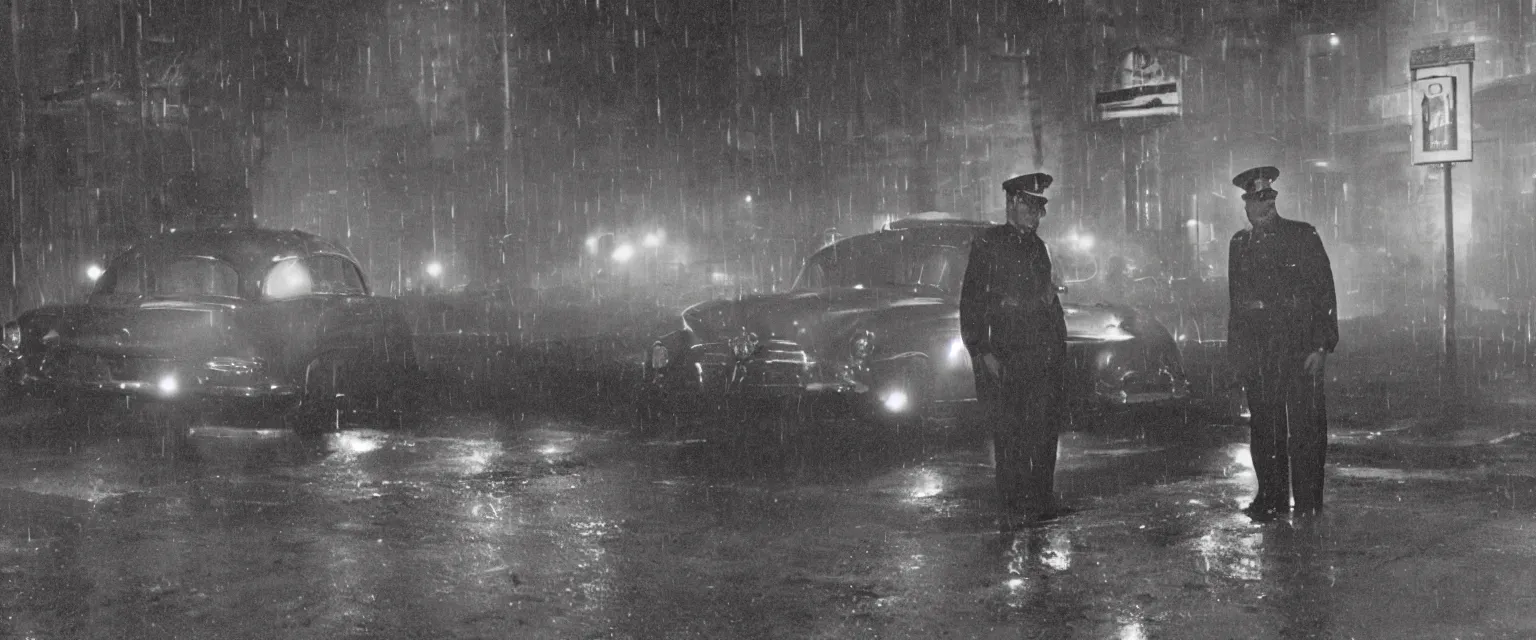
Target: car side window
point(125, 278)
point(336, 275)
point(287, 279)
point(812, 277)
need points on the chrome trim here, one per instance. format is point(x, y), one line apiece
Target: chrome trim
point(151, 389)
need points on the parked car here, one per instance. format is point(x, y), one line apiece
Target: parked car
point(873, 321)
point(281, 321)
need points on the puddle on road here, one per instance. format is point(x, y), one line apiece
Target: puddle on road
point(1399, 475)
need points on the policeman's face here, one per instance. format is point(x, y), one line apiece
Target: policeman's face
point(1261, 211)
point(1025, 213)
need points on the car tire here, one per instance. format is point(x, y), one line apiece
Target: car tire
point(321, 402)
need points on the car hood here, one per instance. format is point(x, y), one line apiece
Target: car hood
point(814, 317)
point(151, 328)
point(805, 316)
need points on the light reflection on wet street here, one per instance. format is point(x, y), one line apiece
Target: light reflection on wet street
point(470, 525)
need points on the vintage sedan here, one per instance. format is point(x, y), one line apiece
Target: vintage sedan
point(873, 323)
point(282, 320)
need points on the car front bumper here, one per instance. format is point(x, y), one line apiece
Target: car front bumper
point(882, 392)
point(152, 378)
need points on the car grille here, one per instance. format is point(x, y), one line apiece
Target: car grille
point(94, 368)
point(776, 365)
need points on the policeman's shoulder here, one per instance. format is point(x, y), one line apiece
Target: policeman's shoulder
point(993, 233)
point(1240, 236)
point(1298, 226)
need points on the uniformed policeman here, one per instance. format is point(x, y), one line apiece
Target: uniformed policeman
point(1282, 324)
point(1011, 322)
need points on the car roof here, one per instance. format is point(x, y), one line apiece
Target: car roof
point(243, 245)
point(954, 232)
point(936, 219)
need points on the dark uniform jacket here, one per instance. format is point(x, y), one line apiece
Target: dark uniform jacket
point(1282, 296)
point(1008, 301)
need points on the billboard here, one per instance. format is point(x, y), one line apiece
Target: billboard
point(1441, 103)
point(1141, 86)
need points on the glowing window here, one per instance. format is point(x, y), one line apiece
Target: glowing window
point(288, 279)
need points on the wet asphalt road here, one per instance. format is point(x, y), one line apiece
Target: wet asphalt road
point(476, 524)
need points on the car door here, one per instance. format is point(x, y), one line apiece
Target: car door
point(335, 323)
point(368, 327)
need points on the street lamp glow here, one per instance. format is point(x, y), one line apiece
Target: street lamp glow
point(749, 198)
point(652, 240)
point(624, 253)
point(94, 272)
point(435, 269)
point(1333, 39)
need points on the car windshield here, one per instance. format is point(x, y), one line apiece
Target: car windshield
point(178, 277)
point(886, 262)
point(192, 276)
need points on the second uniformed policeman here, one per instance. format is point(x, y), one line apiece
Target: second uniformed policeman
point(1282, 324)
point(1012, 323)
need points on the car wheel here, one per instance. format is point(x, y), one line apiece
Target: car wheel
point(322, 402)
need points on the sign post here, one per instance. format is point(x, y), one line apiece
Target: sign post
point(1442, 134)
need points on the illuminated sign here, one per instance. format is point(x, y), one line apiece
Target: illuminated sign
point(1441, 100)
point(1141, 87)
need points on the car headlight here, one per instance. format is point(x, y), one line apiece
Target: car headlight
point(860, 347)
point(744, 345)
point(13, 335)
point(660, 357)
point(957, 351)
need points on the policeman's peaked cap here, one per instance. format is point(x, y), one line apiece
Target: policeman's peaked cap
point(1032, 185)
point(1250, 180)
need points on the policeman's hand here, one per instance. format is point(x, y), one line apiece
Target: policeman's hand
point(990, 362)
point(1315, 362)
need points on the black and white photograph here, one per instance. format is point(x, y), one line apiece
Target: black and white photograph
point(767, 319)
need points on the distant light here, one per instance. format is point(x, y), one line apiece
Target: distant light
point(1333, 39)
point(435, 269)
point(896, 402)
point(719, 277)
point(1191, 223)
point(94, 272)
point(652, 240)
point(353, 443)
point(591, 244)
point(749, 198)
point(169, 386)
point(1320, 163)
point(624, 253)
point(1085, 242)
point(956, 348)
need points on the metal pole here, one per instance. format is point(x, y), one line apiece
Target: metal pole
point(1452, 382)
